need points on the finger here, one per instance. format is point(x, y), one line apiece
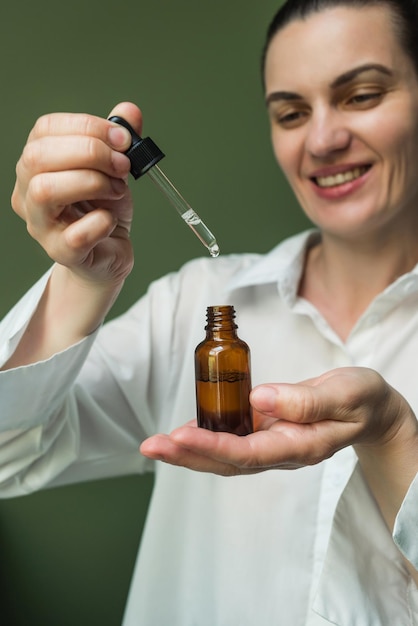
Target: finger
point(64, 124)
point(284, 446)
point(56, 211)
point(73, 245)
point(53, 154)
point(163, 448)
point(295, 402)
point(252, 453)
point(53, 191)
point(336, 395)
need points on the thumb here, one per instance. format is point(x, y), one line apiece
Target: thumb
point(305, 402)
point(131, 113)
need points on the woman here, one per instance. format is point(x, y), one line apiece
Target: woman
point(333, 542)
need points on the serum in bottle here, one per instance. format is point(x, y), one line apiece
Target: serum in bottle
point(223, 375)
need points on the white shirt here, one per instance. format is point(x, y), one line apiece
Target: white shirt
point(289, 548)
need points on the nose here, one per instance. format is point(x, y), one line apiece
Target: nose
point(327, 133)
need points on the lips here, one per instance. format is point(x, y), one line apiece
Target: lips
point(325, 181)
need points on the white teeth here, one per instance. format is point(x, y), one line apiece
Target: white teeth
point(341, 178)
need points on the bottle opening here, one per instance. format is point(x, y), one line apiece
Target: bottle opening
point(220, 316)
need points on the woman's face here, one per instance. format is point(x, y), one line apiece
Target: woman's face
point(342, 97)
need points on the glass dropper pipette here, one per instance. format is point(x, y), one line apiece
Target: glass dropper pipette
point(144, 155)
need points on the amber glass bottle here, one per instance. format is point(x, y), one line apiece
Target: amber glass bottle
point(223, 376)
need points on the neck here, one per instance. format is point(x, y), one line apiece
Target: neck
point(342, 277)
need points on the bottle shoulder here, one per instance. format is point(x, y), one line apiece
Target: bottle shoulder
point(221, 344)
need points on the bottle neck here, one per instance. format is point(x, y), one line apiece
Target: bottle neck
point(220, 321)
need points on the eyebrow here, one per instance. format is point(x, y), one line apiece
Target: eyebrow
point(338, 82)
point(351, 74)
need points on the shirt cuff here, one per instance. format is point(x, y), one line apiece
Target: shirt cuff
point(32, 393)
point(13, 325)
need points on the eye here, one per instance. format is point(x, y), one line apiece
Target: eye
point(288, 119)
point(366, 99)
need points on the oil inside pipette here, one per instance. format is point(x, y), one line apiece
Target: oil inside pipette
point(201, 231)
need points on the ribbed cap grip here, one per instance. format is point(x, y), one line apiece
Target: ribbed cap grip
point(143, 153)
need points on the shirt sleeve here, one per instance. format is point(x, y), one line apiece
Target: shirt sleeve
point(13, 325)
point(71, 417)
point(406, 525)
point(364, 573)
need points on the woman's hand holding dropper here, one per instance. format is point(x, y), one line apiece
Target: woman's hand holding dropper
point(72, 192)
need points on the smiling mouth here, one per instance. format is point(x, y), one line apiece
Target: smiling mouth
point(341, 178)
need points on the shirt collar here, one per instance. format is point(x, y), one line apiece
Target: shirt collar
point(403, 287)
point(283, 265)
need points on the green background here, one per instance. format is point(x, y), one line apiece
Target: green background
point(66, 554)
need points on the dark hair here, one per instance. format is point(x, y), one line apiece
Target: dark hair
point(404, 12)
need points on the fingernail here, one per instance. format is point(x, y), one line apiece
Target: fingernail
point(121, 163)
point(118, 186)
point(119, 137)
point(263, 398)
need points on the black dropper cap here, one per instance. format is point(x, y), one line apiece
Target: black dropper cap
point(143, 153)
